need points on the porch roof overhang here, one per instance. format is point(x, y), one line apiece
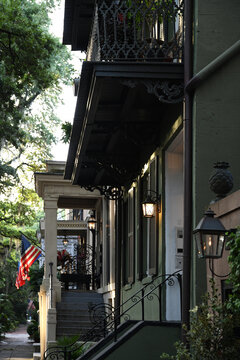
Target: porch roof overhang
point(77, 23)
point(121, 109)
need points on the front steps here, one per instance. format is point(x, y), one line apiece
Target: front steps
point(36, 354)
point(73, 317)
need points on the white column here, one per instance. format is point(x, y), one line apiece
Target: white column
point(49, 315)
point(50, 209)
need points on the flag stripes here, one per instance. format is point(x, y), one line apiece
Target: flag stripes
point(29, 254)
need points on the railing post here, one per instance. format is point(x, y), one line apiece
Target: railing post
point(179, 277)
point(160, 301)
point(115, 326)
point(142, 302)
point(50, 284)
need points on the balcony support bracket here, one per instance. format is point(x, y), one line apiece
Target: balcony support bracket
point(167, 91)
point(110, 192)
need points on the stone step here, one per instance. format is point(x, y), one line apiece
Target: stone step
point(69, 331)
point(73, 306)
point(36, 356)
point(70, 294)
point(36, 347)
point(68, 314)
point(73, 324)
point(83, 299)
point(73, 316)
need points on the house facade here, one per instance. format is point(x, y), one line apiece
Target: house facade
point(70, 265)
point(157, 106)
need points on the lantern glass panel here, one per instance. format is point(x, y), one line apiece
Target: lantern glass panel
point(199, 244)
point(92, 223)
point(220, 245)
point(212, 245)
point(148, 209)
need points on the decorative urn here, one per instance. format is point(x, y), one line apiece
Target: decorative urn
point(221, 181)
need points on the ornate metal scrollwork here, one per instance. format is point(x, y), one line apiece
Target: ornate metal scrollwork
point(102, 317)
point(126, 317)
point(166, 91)
point(171, 281)
point(151, 296)
point(110, 192)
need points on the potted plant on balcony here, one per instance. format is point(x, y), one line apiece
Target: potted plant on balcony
point(155, 20)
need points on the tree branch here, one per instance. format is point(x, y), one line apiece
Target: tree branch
point(9, 32)
point(29, 101)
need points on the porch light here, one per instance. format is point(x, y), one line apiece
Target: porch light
point(150, 204)
point(65, 240)
point(210, 236)
point(92, 223)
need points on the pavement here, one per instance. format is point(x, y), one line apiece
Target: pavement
point(16, 345)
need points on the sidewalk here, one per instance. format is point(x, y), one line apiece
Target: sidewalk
point(16, 345)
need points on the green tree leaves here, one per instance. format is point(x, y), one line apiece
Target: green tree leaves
point(33, 67)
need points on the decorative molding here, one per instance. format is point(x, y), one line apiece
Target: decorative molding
point(64, 224)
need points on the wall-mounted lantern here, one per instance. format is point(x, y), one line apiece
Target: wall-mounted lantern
point(151, 204)
point(92, 223)
point(210, 236)
point(65, 241)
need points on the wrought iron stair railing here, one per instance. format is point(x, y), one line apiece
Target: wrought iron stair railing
point(106, 318)
point(137, 30)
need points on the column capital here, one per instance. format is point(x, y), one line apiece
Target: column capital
point(50, 202)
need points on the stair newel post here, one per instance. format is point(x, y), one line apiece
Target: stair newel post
point(65, 353)
point(142, 301)
point(179, 277)
point(160, 301)
point(115, 325)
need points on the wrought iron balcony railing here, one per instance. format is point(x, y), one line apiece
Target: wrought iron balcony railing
point(137, 30)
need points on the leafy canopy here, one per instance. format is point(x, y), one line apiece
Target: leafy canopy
point(33, 67)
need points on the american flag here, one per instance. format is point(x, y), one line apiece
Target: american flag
point(29, 254)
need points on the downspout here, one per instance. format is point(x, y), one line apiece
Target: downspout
point(212, 67)
point(118, 239)
point(187, 127)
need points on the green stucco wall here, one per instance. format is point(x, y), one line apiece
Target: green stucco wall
point(147, 344)
point(216, 123)
point(151, 305)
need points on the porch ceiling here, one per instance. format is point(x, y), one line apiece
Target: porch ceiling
point(119, 119)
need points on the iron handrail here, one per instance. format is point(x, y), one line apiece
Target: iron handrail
point(103, 326)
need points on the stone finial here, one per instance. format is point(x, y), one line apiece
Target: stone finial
point(221, 180)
